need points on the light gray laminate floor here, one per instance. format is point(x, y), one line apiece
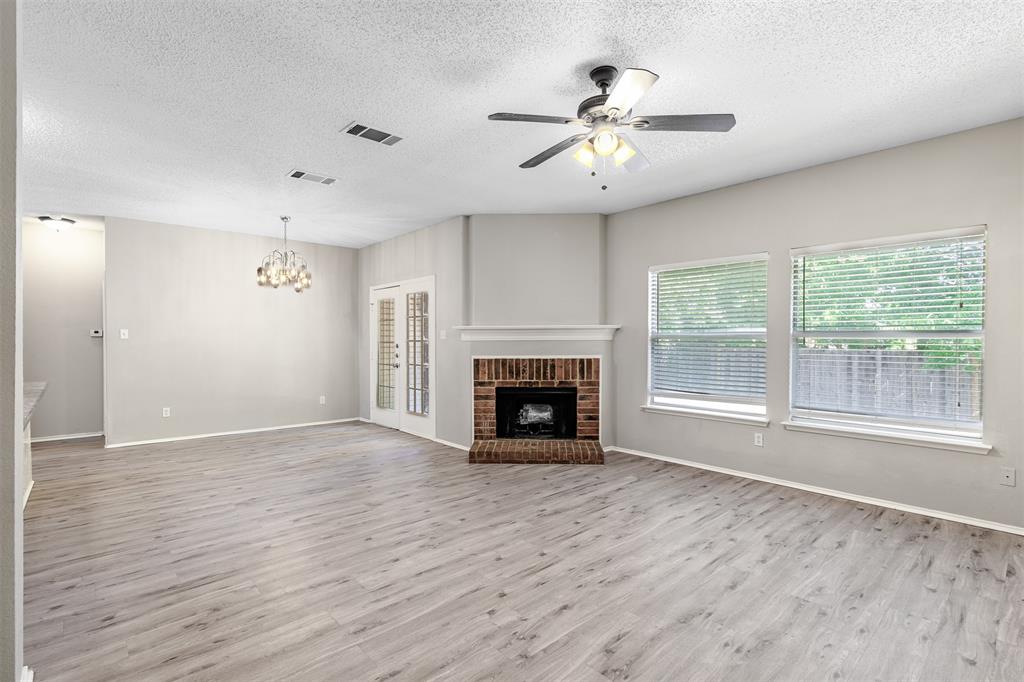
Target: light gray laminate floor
point(352, 552)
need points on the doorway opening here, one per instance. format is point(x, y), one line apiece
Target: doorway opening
point(402, 366)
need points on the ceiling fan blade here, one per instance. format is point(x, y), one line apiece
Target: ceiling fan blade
point(706, 123)
point(627, 91)
point(552, 151)
point(533, 118)
point(636, 162)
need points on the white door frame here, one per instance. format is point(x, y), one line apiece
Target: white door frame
point(419, 425)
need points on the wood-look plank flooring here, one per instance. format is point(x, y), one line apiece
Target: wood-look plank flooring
point(352, 552)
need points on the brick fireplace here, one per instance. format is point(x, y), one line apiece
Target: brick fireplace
point(536, 411)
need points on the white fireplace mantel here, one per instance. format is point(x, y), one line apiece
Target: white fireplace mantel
point(538, 332)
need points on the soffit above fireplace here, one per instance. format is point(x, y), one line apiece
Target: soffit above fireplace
point(538, 332)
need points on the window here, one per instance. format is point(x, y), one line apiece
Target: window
point(707, 336)
point(891, 335)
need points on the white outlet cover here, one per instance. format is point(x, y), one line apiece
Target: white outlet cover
point(124, 333)
point(167, 412)
point(759, 439)
point(323, 400)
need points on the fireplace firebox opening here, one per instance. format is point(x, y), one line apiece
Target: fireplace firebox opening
point(535, 412)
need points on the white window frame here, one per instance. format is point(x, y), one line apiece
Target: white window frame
point(935, 433)
point(724, 408)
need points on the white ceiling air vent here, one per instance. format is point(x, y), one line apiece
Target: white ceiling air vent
point(312, 177)
point(368, 133)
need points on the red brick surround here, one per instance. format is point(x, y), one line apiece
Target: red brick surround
point(492, 373)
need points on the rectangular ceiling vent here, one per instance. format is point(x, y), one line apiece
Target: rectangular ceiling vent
point(368, 133)
point(312, 177)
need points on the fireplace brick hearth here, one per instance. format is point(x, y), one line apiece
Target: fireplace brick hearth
point(581, 374)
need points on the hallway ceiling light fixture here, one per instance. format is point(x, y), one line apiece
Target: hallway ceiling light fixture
point(284, 267)
point(56, 221)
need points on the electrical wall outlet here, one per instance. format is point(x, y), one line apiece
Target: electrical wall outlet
point(759, 439)
point(124, 333)
point(1008, 476)
point(167, 412)
point(323, 400)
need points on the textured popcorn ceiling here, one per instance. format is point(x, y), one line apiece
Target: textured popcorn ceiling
point(193, 112)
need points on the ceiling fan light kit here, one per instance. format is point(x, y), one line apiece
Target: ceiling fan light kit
point(603, 149)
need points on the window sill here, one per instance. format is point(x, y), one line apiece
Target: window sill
point(971, 445)
point(753, 420)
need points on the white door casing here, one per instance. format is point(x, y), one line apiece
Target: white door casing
point(403, 356)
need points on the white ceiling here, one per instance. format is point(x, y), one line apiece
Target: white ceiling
point(193, 112)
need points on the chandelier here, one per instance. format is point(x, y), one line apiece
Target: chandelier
point(284, 267)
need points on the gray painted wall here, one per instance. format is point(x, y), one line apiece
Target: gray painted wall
point(493, 269)
point(969, 178)
point(537, 269)
point(438, 250)
point(221, 352)
point(63, 274)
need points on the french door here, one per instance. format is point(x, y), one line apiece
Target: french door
point(402, 324)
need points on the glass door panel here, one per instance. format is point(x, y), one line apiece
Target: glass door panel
point(385, 357)
point(417, 354)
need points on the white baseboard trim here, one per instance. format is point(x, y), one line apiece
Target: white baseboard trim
point(450, 444)
point(68, 436)
point(878, 502)
point(464, 448)
point(229, 433)
point(28, 491)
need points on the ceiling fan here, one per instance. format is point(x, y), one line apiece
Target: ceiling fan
point(603, 148)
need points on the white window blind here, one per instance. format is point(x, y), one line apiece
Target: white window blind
point(707, 333)
point(892, 335)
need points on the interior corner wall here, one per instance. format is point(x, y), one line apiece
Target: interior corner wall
point(206, 341)
point(437, 250)
point(63, 283)
point(11, 397)
point(969, 178)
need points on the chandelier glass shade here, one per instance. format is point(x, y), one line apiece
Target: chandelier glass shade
point(284, 267)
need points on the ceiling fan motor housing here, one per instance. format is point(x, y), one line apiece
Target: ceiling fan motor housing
point(591, 108)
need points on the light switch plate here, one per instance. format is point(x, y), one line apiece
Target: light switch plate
point(124, 333)
point(167, 412)
point(759, 439)
point(323, 400)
